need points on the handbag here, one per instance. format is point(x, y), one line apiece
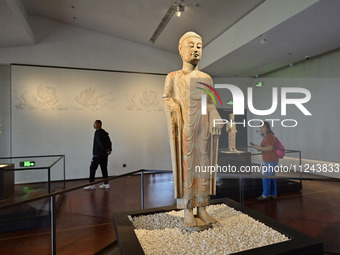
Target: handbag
point(280, 149)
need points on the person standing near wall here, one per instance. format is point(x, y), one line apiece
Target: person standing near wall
point(102, 148)
point(267, 147)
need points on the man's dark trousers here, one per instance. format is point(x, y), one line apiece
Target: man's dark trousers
point(98, 160)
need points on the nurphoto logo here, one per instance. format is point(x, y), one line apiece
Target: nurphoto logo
point(239, 104)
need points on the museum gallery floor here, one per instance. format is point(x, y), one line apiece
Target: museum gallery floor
point(84, 220)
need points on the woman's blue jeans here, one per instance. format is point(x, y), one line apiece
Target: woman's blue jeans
point(269, 184)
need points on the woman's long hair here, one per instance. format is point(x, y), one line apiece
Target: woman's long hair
point(267, 125)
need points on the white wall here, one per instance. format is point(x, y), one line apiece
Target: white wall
point(53, 110)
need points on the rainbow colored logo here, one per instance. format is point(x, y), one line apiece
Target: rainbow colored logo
point(209, 93)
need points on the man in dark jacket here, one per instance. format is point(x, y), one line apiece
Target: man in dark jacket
point(102, 148)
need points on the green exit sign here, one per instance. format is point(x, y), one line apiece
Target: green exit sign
point(27, 163)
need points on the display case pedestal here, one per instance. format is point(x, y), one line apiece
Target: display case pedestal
point(298, 244)
point(6, 181)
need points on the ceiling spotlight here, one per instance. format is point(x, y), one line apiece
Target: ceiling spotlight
point(264, 41)
point(180, 9)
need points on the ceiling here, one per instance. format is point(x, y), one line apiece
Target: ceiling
point(311, 31)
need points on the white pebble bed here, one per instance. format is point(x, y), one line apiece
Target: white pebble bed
point(164, 233)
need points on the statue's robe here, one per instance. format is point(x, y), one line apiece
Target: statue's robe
point(193, 147)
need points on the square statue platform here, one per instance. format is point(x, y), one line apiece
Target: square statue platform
point(295, 242)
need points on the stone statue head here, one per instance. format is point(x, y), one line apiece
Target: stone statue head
point(190, 47)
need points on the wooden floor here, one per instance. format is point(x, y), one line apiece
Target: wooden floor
point(84, 218)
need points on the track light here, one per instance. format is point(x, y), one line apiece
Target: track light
point(180, 9)
point(176, 7)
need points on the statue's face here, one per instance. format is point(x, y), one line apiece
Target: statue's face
point(191, 50)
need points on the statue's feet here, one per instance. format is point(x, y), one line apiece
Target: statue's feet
point(189, 219)
point(204, 216)
point(194, 224)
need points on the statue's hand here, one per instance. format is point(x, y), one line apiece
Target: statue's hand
point(215, 128)
point(215, 131)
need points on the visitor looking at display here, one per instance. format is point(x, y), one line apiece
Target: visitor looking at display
point(271, 160)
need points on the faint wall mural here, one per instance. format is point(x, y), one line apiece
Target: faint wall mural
point(44, 97)
point(148, 100)
point(90, 100)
